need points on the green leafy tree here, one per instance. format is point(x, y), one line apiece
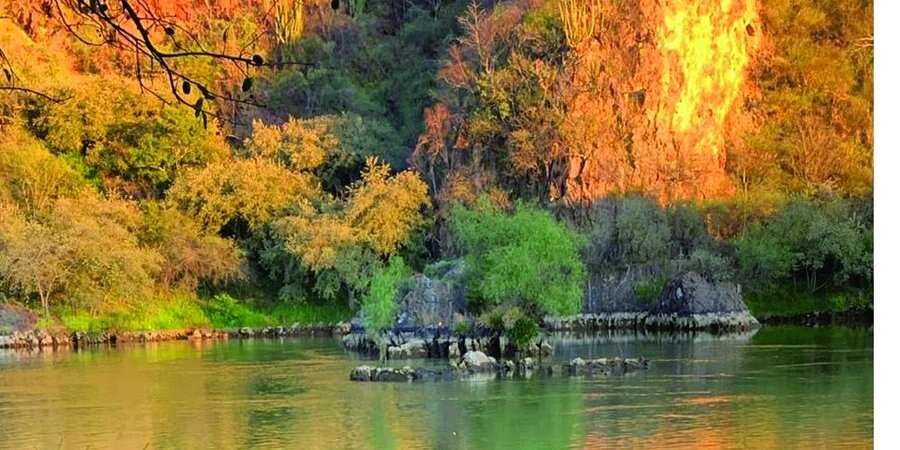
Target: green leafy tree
point(822, 244)
point(31, 175)
point(379, 304)
point(525, 264)
point(132, 142)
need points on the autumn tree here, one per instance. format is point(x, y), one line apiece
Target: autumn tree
point(84, 253)
point(242, 194)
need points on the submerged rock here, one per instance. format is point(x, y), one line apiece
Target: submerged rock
point(605, 366)
point(477, 365)
point(478, 360)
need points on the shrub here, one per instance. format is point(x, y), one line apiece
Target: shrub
point(648, 291)
point(688, 232)
point(631, 230)
point(190, 257)
point(83, 253)
point(379, 304)
point(711, 266)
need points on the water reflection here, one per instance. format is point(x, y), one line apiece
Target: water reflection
point(779, 387)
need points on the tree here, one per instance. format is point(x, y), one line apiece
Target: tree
point(244, 194)
point(150, 35)
point(386, 209)
point(379, 304)
point(627, 231)
point(83, 252)
point(32, 175)
point(342, 242)
point(189, 256)
point(132, 143)
point(822, 243)
point(34, 259)
point(815, 106)
point(333, 147)
point(521, 265)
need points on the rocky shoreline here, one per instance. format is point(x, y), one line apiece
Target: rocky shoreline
point(735, 321)
point(428, 343)
point(39, 339)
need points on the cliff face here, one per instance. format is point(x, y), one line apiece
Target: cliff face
point(657, 98)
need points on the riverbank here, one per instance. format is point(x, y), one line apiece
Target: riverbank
point(39, 338)
point(788, 307)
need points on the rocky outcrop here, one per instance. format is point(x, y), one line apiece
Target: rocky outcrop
point(431, 303)
point(16, 318)
point(437, 301)
point(614, 292)
point(692, 302)
point(688, 302)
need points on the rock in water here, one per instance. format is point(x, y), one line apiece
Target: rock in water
point(691, 302)
point(437, 301)
point(362, 373)
point(477, 360)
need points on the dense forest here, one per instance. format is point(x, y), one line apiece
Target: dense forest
point(305, 156)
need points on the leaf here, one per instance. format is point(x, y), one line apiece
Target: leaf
point(204, 120)
point(186, 87)
point(257, 60)
point(8, 75)
point(335, 4)
point(170, 31)
point(247, 84)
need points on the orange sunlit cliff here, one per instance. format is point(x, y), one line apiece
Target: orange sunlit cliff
point(660, 86)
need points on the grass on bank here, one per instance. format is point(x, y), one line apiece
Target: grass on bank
point(220, 312)
point(785, 302)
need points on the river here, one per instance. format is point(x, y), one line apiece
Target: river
point(780, 387)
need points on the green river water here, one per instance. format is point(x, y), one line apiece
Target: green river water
point(780, 387)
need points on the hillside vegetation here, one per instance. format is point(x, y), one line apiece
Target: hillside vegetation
point(539, 140)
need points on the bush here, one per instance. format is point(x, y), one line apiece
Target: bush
point(711, 266)
point(525, 258)
point(648, 291)
point(688, 229)
point(379, 304)
point(632, 230)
